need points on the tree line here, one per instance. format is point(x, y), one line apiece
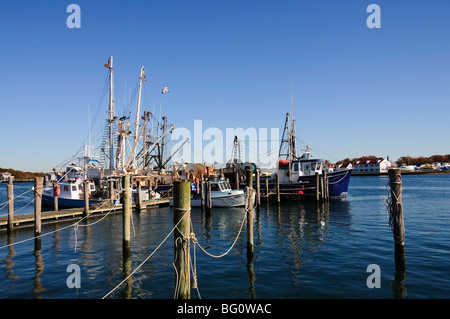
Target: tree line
point(19, 174)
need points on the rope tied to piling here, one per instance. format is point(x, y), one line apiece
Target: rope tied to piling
point(148, 257)
point(394, 210)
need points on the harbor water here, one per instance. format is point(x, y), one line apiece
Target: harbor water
point(302, 250)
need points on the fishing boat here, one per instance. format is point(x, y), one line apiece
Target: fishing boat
point(221, 195)
point(297, 174)
point(70, 194)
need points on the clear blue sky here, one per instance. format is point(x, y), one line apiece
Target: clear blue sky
point(357, 91)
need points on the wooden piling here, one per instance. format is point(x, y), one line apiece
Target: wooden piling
point(126, 215)
point(202, 183)
point(277, 180)
point(258, 190)
point(10, 196)
point(250, 246)
point(111, 191)
point(181, 219)
point(38, 183)
point(317, 186)
point(395, 183)
point(325, 184)
point(396, 219)
point(266, 181)
point(86, 198)
point(139, 198)
point(55, 197)
point(208, 196)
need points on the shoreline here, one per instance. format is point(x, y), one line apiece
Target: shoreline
point(403, 173)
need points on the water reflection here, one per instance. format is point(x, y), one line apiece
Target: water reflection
point(398, 285)
point(38, 287)
point(9, 263)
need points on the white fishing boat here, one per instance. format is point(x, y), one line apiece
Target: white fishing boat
point(221, 196)
point(70, 194)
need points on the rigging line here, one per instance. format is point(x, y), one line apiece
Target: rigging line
point(148, 257)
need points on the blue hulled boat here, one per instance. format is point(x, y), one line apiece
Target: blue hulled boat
point(297, 174)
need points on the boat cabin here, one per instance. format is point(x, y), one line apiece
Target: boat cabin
point(69, 190)
point(220, 186)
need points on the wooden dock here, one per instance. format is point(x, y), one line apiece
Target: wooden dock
point(51, 217)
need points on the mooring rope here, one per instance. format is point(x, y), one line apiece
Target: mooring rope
point(4, 204)
point(148, 257)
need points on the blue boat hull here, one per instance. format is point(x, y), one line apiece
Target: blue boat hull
point(306, 185)
point(66, 203)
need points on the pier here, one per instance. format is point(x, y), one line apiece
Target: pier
point(51, 217)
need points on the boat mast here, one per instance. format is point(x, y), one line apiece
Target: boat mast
point(111, 114)
point(136, 124)
point(293, 144)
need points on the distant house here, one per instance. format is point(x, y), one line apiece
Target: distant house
point(4, 176)
point(372, 165)
point(342, 165)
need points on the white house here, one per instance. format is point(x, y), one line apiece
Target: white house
point(341, 166)
point(373, 165)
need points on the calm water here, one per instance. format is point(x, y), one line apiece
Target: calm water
point(301, 250)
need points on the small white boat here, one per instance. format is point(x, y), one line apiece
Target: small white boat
point(221, 196)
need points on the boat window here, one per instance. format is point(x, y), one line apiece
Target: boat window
point(221, 186)
point(227, 185)
point(313, 166)
point(296, 167)
point(74, 187)
point(66, 188)
point(92, 187)
point(318, 166)
point(214, 187)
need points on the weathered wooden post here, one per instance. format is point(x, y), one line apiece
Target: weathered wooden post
point(38, 183)
point(10, 195)
point(139, 198)
point(258, 190)
point(208, 196)
point(396, 218)
point(250, 248)
point(86, 198)
point(55, 196)
point(266, 181)
point(126, 215)
point(46, 181)
point(277, 180)
point(317, 186)
point(325, 184)
point(111, 191)
point(181, 219)
point(202, 183)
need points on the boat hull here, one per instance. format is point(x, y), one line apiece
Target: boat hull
point(66, 202)
point(235, 200)
point(337, 184)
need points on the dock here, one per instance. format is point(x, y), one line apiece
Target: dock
point(51, 217)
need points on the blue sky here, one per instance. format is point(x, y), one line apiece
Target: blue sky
point(356, 91)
